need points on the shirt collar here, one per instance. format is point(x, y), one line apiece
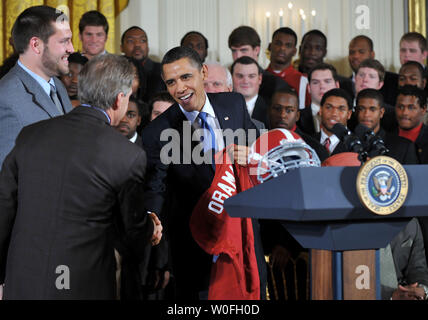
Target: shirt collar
point(315, 108)
point(192, 115)
point(333, 138)
point(43, 83)
point(134, 137)
point(251, 104)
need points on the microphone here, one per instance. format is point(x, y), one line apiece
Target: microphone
point(376, 145)
point(351, 141)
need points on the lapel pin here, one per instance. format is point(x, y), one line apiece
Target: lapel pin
point(226, 118)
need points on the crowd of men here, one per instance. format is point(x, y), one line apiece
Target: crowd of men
point(83, 184)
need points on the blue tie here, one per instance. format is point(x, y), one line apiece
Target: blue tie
point(208, 138)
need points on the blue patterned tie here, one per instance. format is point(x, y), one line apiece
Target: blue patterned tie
point(208, 138)
point(55, 99)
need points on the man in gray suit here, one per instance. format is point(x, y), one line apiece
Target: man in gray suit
point(31, 91)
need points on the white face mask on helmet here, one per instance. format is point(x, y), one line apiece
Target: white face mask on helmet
point(277, 152)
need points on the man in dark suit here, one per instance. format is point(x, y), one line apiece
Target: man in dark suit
point(370, 111)
point(312, 51)
point(245, 41)
point(335, 108)
point(322, 78)
point(410, 109)
point(31, 91)
point(371, 74)
point(361, 48)
point(129, 123)
point(247, 78)
point(135, 44)
point(284, 113)
point(60, 197)
point(180, 170)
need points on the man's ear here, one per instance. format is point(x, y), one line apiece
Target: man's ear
point(36, 45)
point(204, 71)
point(382, 112)
point(337, 84)
point(139, 120)
point(117, 101)
point(257, 49)
point(298, 115)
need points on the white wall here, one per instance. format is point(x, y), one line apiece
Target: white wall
point(166, 21)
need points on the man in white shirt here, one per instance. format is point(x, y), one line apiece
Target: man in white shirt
point(247, 78)
point(335, 108)
point(322, 78)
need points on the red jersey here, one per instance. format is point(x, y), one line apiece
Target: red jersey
point(297, 81)
point(234, 275)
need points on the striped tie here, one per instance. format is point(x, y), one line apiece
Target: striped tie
point(208, 138)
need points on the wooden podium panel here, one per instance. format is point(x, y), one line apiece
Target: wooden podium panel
point(321, 274)
point(359, 275)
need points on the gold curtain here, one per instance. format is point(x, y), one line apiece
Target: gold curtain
point(10, 10)
point(417, 16)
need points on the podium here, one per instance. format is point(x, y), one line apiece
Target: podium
point(320, 208)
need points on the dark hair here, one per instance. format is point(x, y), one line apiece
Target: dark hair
point(77, 57)
point(287, 90)
point(316, 33)
point(363, 37)
point(139, 105)
point(141, 76)
point(286, 30)
point(160, 96)
point(414, 64)
point(93, 18)
point(246, 61)
point(370, 93)
point(415, 36)
point(35, 22)
point(337, 92)
point(129, 29)
point(373, 64)
point(323, 66)
point(178, 53)
point(414, 91)
point(244, 35)
point(197, 33)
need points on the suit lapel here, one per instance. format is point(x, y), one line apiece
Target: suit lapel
point(40, 97)
point(63, 95)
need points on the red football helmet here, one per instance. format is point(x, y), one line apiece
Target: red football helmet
point(278, 151)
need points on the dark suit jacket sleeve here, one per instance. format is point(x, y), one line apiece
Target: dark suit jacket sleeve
point(154, 191)
point(409, 254)
point(137, 225)
point(8, 206)
point(411, 157)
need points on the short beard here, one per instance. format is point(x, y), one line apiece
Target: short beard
point(50, 65)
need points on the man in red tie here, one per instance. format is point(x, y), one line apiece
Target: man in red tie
point(335, 108)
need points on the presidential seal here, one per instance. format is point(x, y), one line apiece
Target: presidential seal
point(382, 185)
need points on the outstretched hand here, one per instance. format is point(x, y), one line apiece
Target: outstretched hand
point(157, 230)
